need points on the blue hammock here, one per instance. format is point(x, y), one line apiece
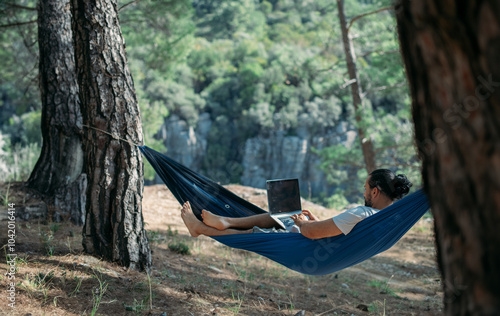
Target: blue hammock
point(373, 235)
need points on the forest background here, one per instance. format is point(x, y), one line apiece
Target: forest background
point(234, 74)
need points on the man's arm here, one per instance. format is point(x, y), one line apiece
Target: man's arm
point(316, 229)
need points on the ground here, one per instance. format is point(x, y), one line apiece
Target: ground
point(54, 277)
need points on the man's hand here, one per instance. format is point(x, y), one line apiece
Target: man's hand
point(310, 215)
point(305, 216)
point(299, 219)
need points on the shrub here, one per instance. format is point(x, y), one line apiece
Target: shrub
point(179, 247)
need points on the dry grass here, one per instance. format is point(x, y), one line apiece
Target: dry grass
point(54, 277)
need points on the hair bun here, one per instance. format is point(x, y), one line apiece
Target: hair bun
point(401, 186)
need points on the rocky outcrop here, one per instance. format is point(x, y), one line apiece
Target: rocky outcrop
point(275, 156)
point(279, 156)
point(186, 144)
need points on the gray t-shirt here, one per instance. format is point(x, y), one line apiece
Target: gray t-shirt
point(348, 219)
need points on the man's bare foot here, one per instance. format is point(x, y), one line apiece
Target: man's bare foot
point(191, 222)
point(214, 221)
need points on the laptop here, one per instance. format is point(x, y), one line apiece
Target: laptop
point(283, 197)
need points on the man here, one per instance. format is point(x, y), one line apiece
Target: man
point(382, 188)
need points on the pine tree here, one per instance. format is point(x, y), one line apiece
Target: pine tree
point(451, 51)
point(58, 172)
point(114, 226)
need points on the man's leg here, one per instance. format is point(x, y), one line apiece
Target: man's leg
point(197, 228)
point(222, 223)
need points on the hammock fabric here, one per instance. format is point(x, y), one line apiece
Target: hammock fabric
point(371, 236)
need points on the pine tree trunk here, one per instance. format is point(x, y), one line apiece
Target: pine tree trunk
point(366, 143)
point(451, 52)
point(58, 171)
point(114, 227)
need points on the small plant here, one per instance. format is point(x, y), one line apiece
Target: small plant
point(38, 284)
point(47, 238)
point(18, 260)
point(247, 276)
point(21, 260)
point(154, 237)
point(42, 279)
point(374, 308)
point(54, 227)
point(291, 304)
point(68, 244)
point(383, 286)
point(179, 247)
point(78, 285)
point(236, 309)
point(137, 307)
point(63, 277)
point(150, 292)
point(5, 197)
point(98, 293)
point(353, 293)
point(171, 233)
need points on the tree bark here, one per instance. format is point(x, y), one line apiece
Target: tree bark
point(114, 226)
point(366, 142)
point(451, 50)
point(58, 171)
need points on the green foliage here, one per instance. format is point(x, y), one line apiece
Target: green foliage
point(31, 122)
point(19, 161)
point(159, 33)
point(220, 19)
point(255, 66)
point(393, 142)
point(180, 248)
point(337, 201)
point(344, 168)
point(19, 91)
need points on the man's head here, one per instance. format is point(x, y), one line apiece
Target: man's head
point(382, 187)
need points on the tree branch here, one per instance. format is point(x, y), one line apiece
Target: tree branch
point(380, 52)
point(330, 68)
point(366, 14)
point(17, 24)
point(348, 83)
point(386, 148)
point(127, 4)
point(13, 5)
point(397, 85)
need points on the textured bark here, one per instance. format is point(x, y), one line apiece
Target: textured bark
point(61, 160)
point(451, 51)
point(114, 227)
point(72, 200)
point(366, 143)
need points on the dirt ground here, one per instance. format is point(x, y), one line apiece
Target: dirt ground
point(54, 277)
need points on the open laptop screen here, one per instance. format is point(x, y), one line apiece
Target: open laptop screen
point(283, 196)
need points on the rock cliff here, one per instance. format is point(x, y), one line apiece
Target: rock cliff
point(274, 156)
